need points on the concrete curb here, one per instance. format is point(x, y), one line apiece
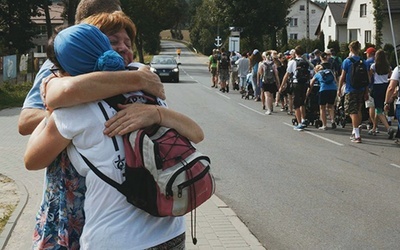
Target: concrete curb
point(247, 235)
point(12, 221)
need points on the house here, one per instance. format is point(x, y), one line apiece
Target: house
point(361, 21)
point(333, 26)
point(40, 41)
point(304, 16)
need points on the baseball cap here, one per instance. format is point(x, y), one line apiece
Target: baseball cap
point(328, 51)
point(255, 51)
point(370, 50)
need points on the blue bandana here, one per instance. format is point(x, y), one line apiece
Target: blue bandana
point(83, 48)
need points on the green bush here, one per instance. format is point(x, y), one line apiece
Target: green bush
point(13, 95)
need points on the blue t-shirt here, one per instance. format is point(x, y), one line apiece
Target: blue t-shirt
point(323, 86)
point(33, 99)
point(346, 66)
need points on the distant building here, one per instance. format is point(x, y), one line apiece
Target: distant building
point(333, 26)
point(361, 21)
point(56, 18)
point(301, 26)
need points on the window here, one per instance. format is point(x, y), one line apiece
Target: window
point(329, 21)
point(293, 22)
point(40, 49)
point(363, 10)
point(313, 11)
point(368, 36)
point(302, 7)
point(329, 38)
point(293, 36)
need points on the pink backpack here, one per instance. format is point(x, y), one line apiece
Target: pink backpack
point(164, 174)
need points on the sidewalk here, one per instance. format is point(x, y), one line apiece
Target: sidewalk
point(217, 226)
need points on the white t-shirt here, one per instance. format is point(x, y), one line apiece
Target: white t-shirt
point(379, 79)
point(396, 76)
point(243, 66)
point(111, 222)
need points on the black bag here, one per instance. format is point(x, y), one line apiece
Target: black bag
point(302, 71)
point(224, 62)
point(359, 74)
point(269, 74)
point(327, 76)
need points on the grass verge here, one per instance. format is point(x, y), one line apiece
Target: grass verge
point(13, 95)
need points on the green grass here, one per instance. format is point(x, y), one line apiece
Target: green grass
point(4, 219)
point(13, 95)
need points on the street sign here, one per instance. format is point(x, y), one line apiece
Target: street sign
point(218, 42)
point(234, 43)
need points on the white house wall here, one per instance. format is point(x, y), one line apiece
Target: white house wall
point(301, 29)
point(361, 24)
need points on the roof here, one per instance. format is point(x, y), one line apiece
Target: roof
point(336, 10)
point(394, 7)
point(311, 2)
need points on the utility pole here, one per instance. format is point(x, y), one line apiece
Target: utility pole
point(308, 23)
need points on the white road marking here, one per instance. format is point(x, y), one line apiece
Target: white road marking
point(258, 112)
point(221, 94)
point(395, 165)
point(318, 136)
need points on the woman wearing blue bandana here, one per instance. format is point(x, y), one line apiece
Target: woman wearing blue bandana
point(110, 222)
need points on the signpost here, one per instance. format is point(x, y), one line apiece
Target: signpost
point(234, 43)
point(218, 41)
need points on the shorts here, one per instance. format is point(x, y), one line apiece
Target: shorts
point(327, 97)
point(224, 75)
point(379, 94)
point(271, 88)
point(213, 71)
point(353, 102)
point(299, 95)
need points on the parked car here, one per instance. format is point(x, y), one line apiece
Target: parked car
point(165, 67)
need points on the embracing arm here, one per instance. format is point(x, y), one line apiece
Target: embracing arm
point(70, 91)
point(28, 119)
point(44, 145)
point(136, 116)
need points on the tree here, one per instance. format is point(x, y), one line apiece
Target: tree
point(259, 19)
point(17, 29)
point(150, 18)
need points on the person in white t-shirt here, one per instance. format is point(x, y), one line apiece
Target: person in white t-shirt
point(111, 222)
point(391, 92)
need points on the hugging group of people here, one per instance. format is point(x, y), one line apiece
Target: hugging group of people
point(66, 116)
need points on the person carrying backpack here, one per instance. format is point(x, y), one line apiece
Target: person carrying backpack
point(355, 77)
point(224, 66)
point(299, 70)
point(268, 74)
point(326, 95)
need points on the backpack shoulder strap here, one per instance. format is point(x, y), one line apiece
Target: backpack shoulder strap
point(102, 176)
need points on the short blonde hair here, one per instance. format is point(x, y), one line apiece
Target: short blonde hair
point(318, 68)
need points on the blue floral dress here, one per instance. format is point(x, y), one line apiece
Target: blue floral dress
point(60, 219)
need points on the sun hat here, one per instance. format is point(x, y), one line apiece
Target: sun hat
point(83, 48)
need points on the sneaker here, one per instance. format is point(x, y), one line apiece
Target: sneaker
point(290, 112)
point(390, 133)
point(371, 132)
point(322, 128)
point(333, 125)
point(268, 112)
point(282, 109)
point(352, 136)
point(369, 125)
point(356, 140)
point(377, 130)
point(299, 127)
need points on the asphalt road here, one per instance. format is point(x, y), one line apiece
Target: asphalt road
point(294, 190)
